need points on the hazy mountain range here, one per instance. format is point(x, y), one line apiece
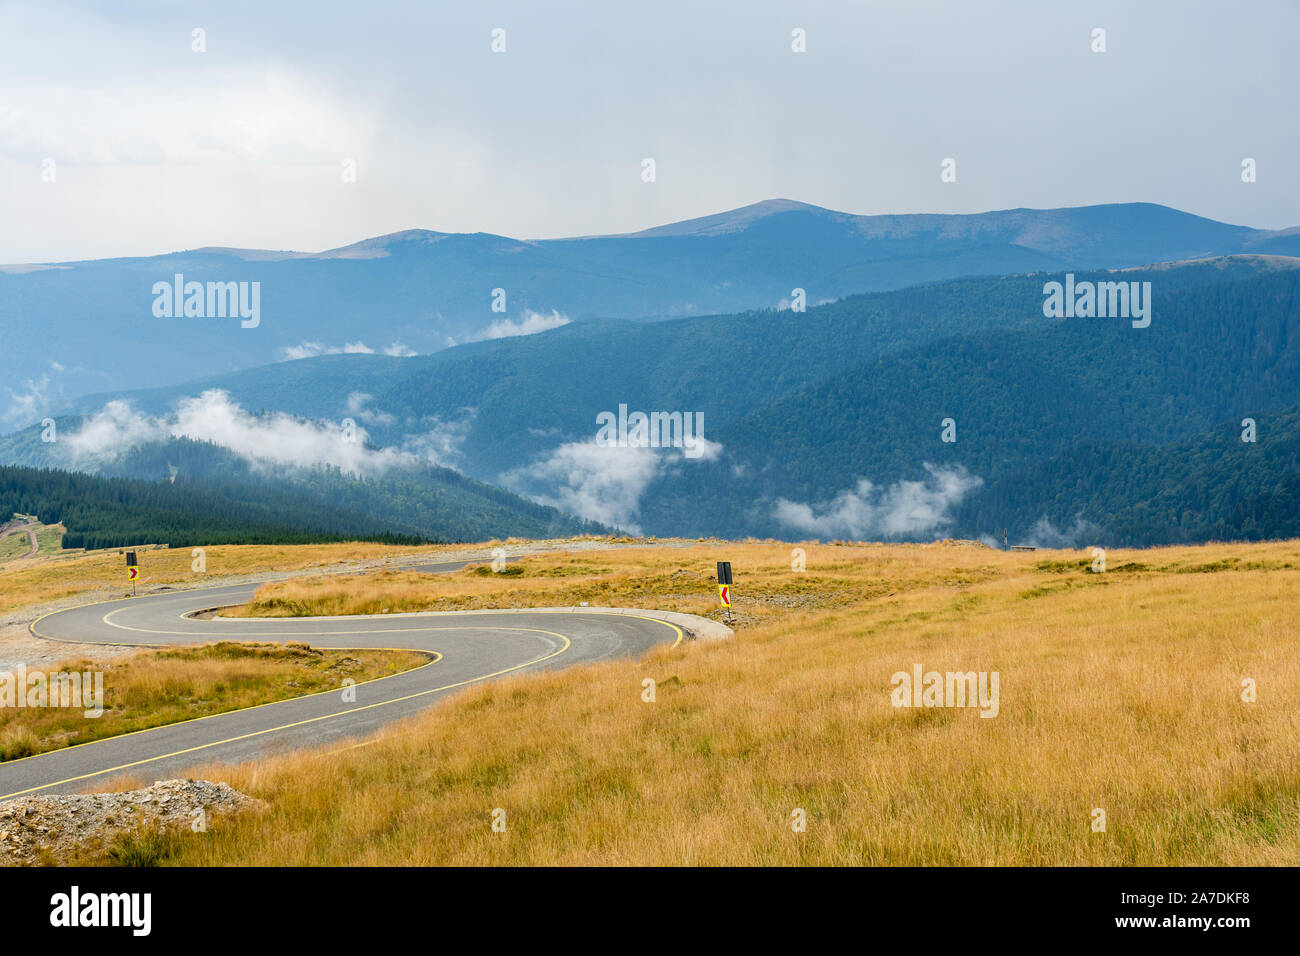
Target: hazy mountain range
point(77, 327)
point(951, 407)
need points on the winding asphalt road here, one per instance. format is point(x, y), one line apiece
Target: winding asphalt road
point(465, 648)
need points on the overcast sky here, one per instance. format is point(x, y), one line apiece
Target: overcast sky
point(156, 147)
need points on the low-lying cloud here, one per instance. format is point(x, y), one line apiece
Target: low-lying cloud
point(30, 405)
point(599, 482)
point(901, 510)
point(530, 324)
point(1044, 534)
point(358, 405)
point(311, 349)
point(36, 400)
point(440, 441)
point(274, 439)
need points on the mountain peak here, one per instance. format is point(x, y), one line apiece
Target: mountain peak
point(732, 220)
point(377, 247)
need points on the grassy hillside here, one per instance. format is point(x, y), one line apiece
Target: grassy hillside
point(58, 575)
point(1119, 691)
point(13, 545)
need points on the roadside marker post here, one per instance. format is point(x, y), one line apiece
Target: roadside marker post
point(724, 587)
point(132, 570)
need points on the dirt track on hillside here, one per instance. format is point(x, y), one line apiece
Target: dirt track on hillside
point(31, 536)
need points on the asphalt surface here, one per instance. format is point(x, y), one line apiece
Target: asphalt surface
point(467, 648)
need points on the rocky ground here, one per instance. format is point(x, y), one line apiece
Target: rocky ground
point(57, 829)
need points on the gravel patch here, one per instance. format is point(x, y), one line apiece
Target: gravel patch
point(52, 829)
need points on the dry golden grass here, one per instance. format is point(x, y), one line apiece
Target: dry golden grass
point(156, 687)
point(13, 545)
point(1119, 691)
point(55, 575)
point(677, 578)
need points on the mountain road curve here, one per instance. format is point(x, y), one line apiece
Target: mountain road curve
point(464, 648)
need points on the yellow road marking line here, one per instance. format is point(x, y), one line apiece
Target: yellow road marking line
point(639, 617)
point(238, 710)
point(437, 657)
point(278, 634)
point(298, 723)
point(390, 630)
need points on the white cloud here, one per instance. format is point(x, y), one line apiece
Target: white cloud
point(311, 349)
point(904, 508)
point(592, 481)
point(36, 402)
point(275, 117)
point(599, 482)
point(304, 350)
point(276, 439)
point(358, 404)
point(1044, 534)
point(114, 429)
point(248, 137)
point(441, 441)
point(28, 406)
point(532, 323)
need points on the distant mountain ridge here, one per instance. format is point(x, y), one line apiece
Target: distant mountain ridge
point(1065, 429)
point(410, 501)
point(420, 290)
